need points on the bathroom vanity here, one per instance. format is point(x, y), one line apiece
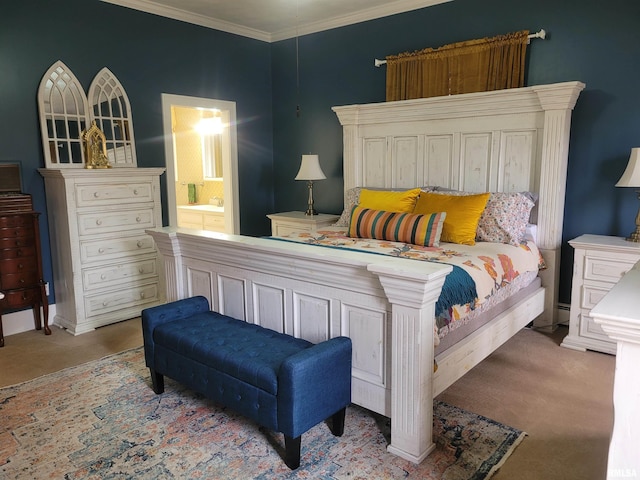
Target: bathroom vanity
point(201, 217)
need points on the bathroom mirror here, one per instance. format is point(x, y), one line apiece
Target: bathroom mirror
point(212, 130)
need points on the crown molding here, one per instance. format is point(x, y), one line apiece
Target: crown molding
point(193, 18)
point(390, 8)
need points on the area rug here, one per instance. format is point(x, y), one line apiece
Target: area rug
point(101, 420)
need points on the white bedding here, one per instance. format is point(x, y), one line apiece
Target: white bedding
point(496, 269)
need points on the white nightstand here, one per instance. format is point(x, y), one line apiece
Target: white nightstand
point(599, 263)
point(287, 222)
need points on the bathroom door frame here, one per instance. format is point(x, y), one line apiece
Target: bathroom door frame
point(229, 163)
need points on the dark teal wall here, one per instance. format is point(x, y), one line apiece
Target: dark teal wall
point(597, 43)
point(150, 55)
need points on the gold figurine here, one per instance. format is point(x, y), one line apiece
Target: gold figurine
point(95, 147)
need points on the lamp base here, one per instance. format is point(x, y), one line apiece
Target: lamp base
point(310, 210)
point(634, 237)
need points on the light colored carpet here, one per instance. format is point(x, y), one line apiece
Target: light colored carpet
point(102, 420)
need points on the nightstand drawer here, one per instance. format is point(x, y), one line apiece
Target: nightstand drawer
point(99, 194)
point(608, 269)
point(285, 223)
point(590, 329)
point(592, 294)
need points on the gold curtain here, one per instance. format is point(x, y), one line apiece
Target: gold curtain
point(464, 67)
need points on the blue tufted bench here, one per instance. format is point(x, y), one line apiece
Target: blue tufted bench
point(283, 383)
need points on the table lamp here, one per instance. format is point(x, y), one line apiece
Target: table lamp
point(310, 170)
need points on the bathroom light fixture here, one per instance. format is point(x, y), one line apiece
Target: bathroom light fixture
point(310, 170)
point(210, 123)
point(631, 178)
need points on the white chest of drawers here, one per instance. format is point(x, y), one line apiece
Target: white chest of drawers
point(599, 263)
point(106, 267)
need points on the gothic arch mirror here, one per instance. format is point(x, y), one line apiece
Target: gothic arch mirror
point(111, 111)
point(63, 116)
point(66, 112)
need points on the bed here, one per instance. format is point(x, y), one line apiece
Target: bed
point(512, 140)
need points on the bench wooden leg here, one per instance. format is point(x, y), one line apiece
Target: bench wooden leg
point(337, 422)
point(292, 451)
point(157, 381)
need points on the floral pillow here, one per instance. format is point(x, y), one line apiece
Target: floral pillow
point(505, 218)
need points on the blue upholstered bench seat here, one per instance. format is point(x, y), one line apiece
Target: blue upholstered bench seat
point(283, 383)
point(242, 350)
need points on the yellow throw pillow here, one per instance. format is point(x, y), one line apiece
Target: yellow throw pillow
point(463, 214)
point(389, 200)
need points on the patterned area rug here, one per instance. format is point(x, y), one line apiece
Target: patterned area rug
point(101, 420)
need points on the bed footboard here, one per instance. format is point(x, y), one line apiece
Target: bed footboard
point(385, 305)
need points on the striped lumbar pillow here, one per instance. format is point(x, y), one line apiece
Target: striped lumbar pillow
point(417, 229)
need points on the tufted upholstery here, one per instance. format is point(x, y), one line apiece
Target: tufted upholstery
point(284, 383)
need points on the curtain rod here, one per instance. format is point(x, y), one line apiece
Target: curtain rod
point(541, 34)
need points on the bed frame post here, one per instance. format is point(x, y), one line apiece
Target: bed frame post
point(169, 246)
point(557, 102)
point(412, 296)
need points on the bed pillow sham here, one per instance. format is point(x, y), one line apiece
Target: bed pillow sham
point(505, 218)
point(389, 200)
point(403, 227)
point(352, 198)
point(463, 214)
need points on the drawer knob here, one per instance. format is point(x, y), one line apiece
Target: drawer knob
point(135, 191)
point(103, 277)
point(22, 280)
point(98, 222)
point(105, 303)
point(139, 243)
point(140, 270)
point(101, 250)
point(141, 294)
point(96, 194)
point(138, 219)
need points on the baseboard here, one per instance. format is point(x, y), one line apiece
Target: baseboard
point(562, 314)
point(22, 321)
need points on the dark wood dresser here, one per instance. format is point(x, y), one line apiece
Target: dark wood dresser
point(21, 280)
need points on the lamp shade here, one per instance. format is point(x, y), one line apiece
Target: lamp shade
point(310, 169)
point(631, 175)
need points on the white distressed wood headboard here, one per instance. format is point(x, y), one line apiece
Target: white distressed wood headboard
point(500, 141)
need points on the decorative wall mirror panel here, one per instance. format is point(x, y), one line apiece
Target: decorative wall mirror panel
point(65, 113)
point(111, 111)
point(63, 116)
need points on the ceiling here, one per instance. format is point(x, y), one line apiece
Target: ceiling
point(273, 20)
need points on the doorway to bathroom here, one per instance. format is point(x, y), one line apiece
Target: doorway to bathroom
point(202, 163)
